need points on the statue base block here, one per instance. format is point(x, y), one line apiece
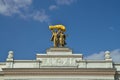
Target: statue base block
point(59, 51)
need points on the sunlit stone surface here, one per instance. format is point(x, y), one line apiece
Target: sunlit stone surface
point(59, 64)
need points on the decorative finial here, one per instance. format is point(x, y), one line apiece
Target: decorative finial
point(10, 55)
point(107, 55)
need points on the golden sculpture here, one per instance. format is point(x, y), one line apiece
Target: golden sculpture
point(58, 36)
point(62, 39)
point(59, 27)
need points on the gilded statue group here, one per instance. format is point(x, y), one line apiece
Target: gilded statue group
point(58, 36)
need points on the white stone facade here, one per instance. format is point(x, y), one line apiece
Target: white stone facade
point(57, 62)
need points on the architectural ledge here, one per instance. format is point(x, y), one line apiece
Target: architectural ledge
point(1, 73)
point(62, 56)
point(57, 71)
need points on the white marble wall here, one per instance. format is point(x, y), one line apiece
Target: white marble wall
point(71, 77)
point(74, 61)
point(99, 64)
point(117, 66)
point(2, 65)
point(60, 62)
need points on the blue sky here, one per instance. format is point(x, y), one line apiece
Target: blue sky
point(93, 26)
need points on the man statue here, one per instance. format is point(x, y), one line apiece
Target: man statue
point(55, 38)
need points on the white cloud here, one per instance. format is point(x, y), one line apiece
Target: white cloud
point(10, 7)
point(22, 9)
point(53, 7)
point(40, 16)
point(64, 2)
point(60, 3)
point(115, 54)
point(96, 56)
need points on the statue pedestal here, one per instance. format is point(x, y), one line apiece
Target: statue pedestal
point(59, 51)
point(9, 59)
point(59, 58)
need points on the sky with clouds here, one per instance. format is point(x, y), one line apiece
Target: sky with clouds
point(93, 27)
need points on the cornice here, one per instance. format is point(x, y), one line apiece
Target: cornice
point(58, 71)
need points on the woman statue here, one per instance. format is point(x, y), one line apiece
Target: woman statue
point(62, 39)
